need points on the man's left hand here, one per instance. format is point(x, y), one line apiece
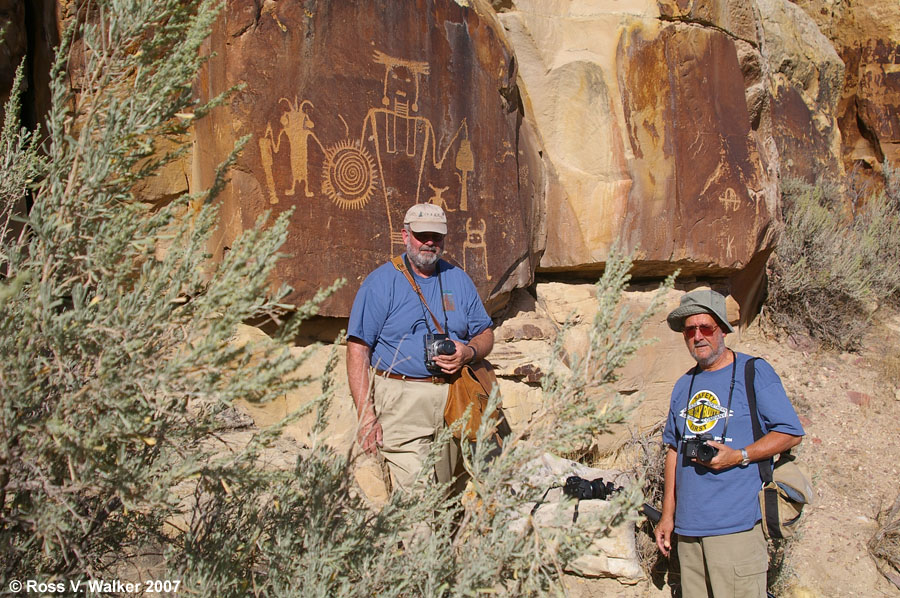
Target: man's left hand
point(726, 458)
point(450, 364)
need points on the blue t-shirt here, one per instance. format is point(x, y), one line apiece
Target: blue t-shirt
point(388, 316)
point(714, 503)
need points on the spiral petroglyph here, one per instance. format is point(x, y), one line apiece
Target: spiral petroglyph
point(349, 175)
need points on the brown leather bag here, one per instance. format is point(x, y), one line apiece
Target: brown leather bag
point(472, 386)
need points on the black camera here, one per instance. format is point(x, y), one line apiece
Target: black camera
point(437, 344)
point(696, 448)
point(583, 489)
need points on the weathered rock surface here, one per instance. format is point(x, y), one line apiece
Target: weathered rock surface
point(566, 125)
point(644, 114)
point(359, 110)
point(31, 31)
point(866, 35)
point(806, 77)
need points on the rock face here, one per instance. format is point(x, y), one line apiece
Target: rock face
point(31, 31)
point(866, 35)
point(549, 129)
point(644, 115)
point(359, 110)
point(806, 78)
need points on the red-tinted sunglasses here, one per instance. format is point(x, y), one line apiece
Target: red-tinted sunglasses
point(705, 330)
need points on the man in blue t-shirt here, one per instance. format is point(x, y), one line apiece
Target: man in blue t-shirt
point(712, 505)
point(399, 399)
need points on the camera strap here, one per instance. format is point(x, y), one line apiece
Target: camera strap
point(401, 264)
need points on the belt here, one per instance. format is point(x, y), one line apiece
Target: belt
point(393, 376)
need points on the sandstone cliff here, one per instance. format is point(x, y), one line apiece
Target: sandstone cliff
point(550, 130)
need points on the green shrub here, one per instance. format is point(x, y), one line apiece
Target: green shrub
point(118, 367)
point(833, 267)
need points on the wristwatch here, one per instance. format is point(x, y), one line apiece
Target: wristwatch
point(745, 461)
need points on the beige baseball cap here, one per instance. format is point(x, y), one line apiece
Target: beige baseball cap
point(426, 218)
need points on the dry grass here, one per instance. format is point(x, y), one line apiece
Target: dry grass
point(649, 455)
point(888, 365)
point(884, 547)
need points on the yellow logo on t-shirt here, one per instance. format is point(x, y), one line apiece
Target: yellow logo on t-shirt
point(703, 411)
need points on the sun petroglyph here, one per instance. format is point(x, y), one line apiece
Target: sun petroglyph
point(349, 176)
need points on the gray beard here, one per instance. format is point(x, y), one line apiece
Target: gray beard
point(424, 260)
point(713, 357)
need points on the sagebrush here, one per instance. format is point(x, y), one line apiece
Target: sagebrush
point(836, 261)
point(119, 367)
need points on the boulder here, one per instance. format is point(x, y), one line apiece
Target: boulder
point(613, 552)
point(358, 110)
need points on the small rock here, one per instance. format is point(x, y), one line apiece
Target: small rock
point(859, 398)
point(530, 372)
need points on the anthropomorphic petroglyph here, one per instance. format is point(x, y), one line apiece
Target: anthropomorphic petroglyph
point(297, 126)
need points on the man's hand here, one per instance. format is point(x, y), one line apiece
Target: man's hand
point(726, 457)
point(666, 524)
point(450, 364)
point(663, 533)
point(369, 433)
point(480, 344)
point(768, 446)
point(368, 430)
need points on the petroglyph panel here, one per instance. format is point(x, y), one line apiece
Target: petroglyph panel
point(702, 164)
point(358, 110)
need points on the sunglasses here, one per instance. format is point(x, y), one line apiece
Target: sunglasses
point(425, 237)
point(705, 329)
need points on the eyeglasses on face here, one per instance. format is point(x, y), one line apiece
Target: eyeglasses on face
point(705, 330)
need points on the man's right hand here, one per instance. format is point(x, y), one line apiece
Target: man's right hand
point(663, 533)
point(369, 433)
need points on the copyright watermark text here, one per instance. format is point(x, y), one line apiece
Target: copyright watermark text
point(94, 586)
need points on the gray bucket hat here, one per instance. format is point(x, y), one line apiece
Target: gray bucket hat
point(701, 301)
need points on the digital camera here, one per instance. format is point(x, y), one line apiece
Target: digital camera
point(582, 489)
point(437, 344)
point(696, 448)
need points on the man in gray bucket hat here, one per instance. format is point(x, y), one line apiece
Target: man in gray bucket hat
point(710, 500)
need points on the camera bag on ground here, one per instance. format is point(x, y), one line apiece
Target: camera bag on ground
point(470, 386)
point(612, 551)
point(786, 487)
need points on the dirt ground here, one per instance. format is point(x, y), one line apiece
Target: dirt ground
point(849, 404)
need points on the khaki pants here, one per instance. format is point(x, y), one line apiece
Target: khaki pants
point(411, 414)
point(729, 566)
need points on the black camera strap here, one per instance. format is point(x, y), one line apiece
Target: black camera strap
point(730, 396)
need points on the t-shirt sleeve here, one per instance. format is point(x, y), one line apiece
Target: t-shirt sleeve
point(369, 311)
point(669, 433)
point(776, 412)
